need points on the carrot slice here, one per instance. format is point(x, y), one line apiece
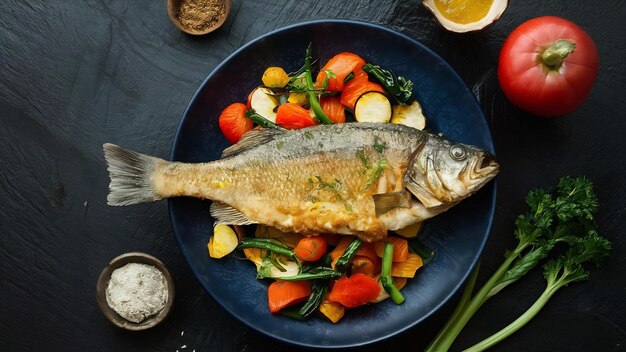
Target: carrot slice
point(407, 268)
point(356, 87)
point(293, 116)
point(354, 291)
point(400, 248)
point(334, 109)
point(363, 265)
point(341, 65)
point(366, 250)
point(310, 249)
point(234, 123)
point(282, 294)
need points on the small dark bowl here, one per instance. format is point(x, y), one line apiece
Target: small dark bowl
point(103, 282)
point(172, 9)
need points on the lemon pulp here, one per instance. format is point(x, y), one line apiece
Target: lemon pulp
point(463, 11)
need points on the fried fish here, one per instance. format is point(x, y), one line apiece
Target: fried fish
point(362, 179)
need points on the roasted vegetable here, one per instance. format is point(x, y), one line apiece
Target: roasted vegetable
point(289, 239)
point(399, 88)
point(372, 107)
point(343, 262)
point(408, 267)
point(314, 274)
point(332, 310)
point(310, 249)
point(385, 275)
point(356, 87)
point(259, 120)
point(293, 116)
point(223, 241)
point(275, 77)
point(281, 294)
point(331, 77)
point(333, 108)
point(298, 98)
point(400, 282)
point(400, 248)
point(364, 265)
point(318, 292)
point(409, 115)
point(320, 115)
point(354, 291)
point(417, 247)
point(264, 104)
point(410, 231)
point(272, 246)
point(233, 122)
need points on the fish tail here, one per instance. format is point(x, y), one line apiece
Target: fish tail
point(130, 174)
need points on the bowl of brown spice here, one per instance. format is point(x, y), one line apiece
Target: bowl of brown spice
point(198, 17)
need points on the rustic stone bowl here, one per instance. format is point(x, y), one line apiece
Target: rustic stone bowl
point(174, 5)
point(103, 281)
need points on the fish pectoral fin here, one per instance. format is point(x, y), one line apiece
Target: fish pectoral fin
point(385, 202)
point(251, 140)
point(225, 214)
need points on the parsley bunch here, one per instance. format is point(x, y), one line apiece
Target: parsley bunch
point(566, 219)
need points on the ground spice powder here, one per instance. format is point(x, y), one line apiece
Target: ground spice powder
point(199, 15)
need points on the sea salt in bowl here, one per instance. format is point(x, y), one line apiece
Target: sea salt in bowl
point(105, 277)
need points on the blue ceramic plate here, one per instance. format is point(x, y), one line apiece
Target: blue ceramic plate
point(457, 236)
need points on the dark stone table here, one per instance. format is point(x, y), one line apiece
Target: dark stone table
point(76, 74)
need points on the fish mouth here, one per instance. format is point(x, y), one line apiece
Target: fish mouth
point(485, 166)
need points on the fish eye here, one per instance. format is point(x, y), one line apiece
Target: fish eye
point(458, 152)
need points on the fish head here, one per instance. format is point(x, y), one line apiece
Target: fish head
point(443, 172)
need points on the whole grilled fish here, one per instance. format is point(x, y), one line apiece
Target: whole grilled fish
point(354, 178)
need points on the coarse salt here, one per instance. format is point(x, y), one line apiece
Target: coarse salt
point(137, 291)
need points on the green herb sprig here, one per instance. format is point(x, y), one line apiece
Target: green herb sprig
point(566, 219)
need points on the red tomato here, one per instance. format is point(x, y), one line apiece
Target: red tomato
point(547, 66)
point(234, 123)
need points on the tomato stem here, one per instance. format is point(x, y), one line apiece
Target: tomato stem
point(554, 55)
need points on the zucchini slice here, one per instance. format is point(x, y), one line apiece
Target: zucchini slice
point(409, 115)
point(372, 107)
point(264, 104)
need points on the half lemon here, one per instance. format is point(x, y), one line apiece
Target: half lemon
point(466, 15)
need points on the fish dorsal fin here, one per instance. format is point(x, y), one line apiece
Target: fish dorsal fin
point(252, 139)
point(225, 214)
point(385, 202)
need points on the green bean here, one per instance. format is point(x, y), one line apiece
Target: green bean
point(348, 255)
point(320, 115)
point(417, 247)
point(385, 275)
point(312, 274)
point(272, 246)
point(293, 313)
point(318, 291)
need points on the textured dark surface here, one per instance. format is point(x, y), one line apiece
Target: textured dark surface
point(76, 74)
